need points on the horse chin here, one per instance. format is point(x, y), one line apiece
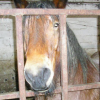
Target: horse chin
point(47, 91)
point(40, 91)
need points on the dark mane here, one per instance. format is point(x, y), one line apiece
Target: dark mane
point(76, 55)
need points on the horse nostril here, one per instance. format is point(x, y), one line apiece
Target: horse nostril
point(28, 76)
point(46, 73)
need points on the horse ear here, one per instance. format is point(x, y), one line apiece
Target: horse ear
point(20, 3)
point(60, 3)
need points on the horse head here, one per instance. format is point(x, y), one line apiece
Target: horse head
point(41, 46)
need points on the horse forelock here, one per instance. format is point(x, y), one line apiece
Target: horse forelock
point(35, 28)
point(41, 4)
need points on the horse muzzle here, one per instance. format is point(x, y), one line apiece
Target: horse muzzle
point(40, 81)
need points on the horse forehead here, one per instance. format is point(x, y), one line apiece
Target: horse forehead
point(52, 18)
point(49, 17)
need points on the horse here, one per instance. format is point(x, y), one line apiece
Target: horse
point(41, 46)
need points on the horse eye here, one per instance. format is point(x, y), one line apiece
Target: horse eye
point(56, 24)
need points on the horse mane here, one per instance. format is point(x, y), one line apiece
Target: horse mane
point(76, 55)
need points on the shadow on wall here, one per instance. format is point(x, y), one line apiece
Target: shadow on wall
point(99, 32)
point(99, 42)
point(99, 38)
